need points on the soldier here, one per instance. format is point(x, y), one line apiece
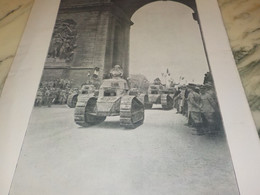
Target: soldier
point(185, 104)
point(194, 110)
point(47, 96)
point(182, 99)
point(96, 72)
point(209, 109)
point(95, 77)
point(52, 94)
point(157, 81)
point(117, 71)
point(44, 97)
point(39, 97)
point(62, 97)
point(177, 99)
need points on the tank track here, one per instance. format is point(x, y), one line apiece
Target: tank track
point(166, 101)
point(71, 102)
point(145, 100)
point(84, 106)
point(131, 112)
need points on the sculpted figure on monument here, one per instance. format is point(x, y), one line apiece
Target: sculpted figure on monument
point(64, 40)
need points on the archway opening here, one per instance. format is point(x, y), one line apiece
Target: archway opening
point(165, 43)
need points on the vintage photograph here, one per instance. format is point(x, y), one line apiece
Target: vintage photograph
point(126, 105)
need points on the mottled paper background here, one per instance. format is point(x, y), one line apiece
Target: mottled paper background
point(242, 22)
point(13, 18)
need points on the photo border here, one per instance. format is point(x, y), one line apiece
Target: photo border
point(19, 92)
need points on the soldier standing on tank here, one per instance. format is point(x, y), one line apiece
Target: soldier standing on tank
point(95, 78)
point(116, 72)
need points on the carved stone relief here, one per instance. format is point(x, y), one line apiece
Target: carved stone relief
point(63, 40)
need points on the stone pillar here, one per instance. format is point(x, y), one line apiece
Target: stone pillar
point(117, 46)
point(196, 17)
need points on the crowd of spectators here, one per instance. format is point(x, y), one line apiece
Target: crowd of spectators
point(199, 104)
point(53, 92)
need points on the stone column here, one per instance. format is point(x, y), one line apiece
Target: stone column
point(117, 46)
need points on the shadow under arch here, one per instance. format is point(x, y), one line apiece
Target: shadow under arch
point(131, 6)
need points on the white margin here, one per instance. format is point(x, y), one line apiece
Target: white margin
point(21, 85)
point(239, 126)
point(19, 91)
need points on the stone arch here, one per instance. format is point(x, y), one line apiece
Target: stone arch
point(123, 11)
point(103, 31)
point(131, 6)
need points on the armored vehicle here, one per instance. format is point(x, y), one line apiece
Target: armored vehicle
point(113, 100)
point(142, 96)
point(170, 91)
point(73, 98)
point(157, 94)
point(86, 90)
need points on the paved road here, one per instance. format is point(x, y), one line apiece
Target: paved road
point(160, 157)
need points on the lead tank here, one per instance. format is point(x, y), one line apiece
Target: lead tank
point(113, 100)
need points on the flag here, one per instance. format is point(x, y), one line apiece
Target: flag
point(167, 71)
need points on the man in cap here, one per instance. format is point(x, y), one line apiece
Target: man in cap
point(194, 109)
point(116, 72)
point(177, 99)
point(209, 109)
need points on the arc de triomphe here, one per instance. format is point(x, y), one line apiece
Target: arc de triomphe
point(93, 34)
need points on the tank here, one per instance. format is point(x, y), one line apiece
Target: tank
point(73, 98)
point(170, 91)
point(86, 90)
point(141, 95)
point(158, 94)
point(113, 100)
